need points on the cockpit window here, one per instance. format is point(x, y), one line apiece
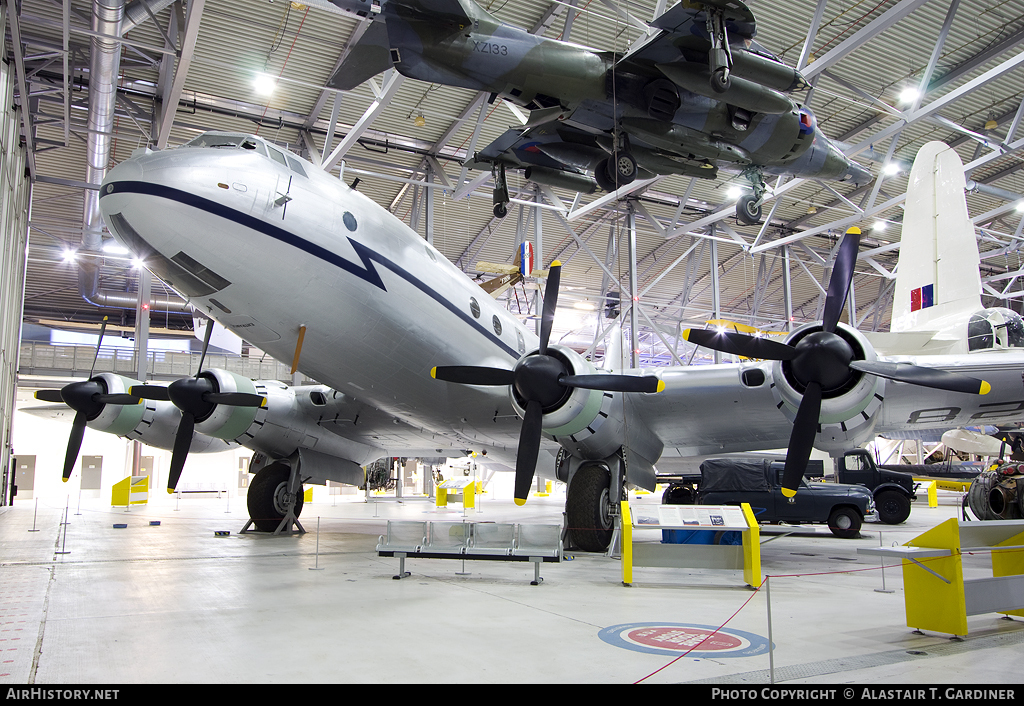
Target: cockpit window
point(277, 155)
point(295, 165)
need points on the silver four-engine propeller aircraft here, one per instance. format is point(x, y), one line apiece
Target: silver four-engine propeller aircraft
point(417, 360)
point(699, 94)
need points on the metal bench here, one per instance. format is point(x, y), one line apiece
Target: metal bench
point(481, 541)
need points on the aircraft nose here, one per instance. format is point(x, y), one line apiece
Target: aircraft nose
point(128, 170)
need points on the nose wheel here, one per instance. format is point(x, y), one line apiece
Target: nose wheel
point(748, 206)
point(500, 194)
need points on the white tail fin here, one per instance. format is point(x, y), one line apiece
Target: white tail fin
point(938, 280)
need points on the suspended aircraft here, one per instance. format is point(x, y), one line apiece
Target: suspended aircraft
point(416, 360)
point(698, 95)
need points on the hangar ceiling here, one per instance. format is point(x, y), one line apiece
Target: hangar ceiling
point(169, 71)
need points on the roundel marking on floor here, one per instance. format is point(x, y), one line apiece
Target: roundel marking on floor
point(673, 639)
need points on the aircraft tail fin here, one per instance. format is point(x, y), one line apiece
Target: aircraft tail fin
point(369, 56)
point(938, 274)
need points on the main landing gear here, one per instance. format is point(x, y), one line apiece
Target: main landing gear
point(620, 168)
point(275, 499)
point(748, 207)
point(500, 195)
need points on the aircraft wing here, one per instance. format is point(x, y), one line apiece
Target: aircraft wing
point(549, 145)
point(684, 31)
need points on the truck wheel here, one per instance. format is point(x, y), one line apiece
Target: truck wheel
point(588, 509)
point(845, 522)
point(677, 495)
point(893, 507)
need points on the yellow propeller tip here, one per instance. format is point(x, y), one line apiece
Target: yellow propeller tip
point(788, 492)
point(170, 491)
point(686, 334)
point(661, 386)
point(556, 263)
point(64, 480)
point(985, 388)
point(433, 372)
point(853, 229)
point(520, 501)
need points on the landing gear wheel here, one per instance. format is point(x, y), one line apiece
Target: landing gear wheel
point(588, 509)
point(720, 80)
point(500, 210)
point(845, 522)
point(621, 168)
point(748, 210)
point(893, 507)
point(268, 498)
point(601, 176)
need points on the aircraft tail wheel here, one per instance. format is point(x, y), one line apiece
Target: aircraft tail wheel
point(748, 210)
point(588, 509)
point(268, 498)
point(500, 210)
point(720, 80)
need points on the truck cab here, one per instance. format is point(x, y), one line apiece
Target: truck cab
point(893, 491)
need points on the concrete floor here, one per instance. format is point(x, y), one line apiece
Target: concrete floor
point(175, 604)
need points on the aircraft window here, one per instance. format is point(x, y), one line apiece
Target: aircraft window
point(1014, 328)
point(208, 140)
point(295, 165)
point(979, 333)
point(496, 323)
point(349, 220)
point(277, 155)
point(255, 145)
point(474, 307)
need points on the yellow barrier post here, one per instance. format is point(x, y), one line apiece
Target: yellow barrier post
point(120, 494)
point(934, 591)
point(139, 490)
point(442, 497)
point(307, 495)
point(469, 496)
point(626, 520)
point(751, 549)
point(933, 495)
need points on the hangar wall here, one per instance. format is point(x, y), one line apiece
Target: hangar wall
point(15, 190)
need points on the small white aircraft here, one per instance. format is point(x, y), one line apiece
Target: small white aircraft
point(416, 360)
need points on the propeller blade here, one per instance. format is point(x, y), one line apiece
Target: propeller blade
point(74, 443)
point(49, 395)
point(182, 441)
point(99, 343)
point(206, 345)
point(801, 441)
point(842, 276)
point(614, 383)
point(529, 448)
point(472, 375)
point(926, 377)
point(235, 399)
point(150, 392)
point(740, 344)
point(550, 301)
point(117, 398)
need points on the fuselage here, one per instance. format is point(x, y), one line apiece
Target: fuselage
point(264, 243)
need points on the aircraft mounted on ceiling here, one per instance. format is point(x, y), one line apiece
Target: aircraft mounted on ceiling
point(697, 96)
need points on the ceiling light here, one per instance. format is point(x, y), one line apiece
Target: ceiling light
point(113, 247)
point(585, 305)
point(734, 192)
point(69, 255)
point(420, 121)
point(891, 169)
point(909, 95)
point(263, 84)
point(879, 226)
point(137, 263)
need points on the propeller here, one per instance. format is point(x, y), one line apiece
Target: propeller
point(196, 398)
point(822, 361)
point(87, 398)
point(541, 382)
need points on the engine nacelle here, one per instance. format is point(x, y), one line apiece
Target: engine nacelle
point(849, 411)
point(289, 421)
point(590, 424)
point(151, 422)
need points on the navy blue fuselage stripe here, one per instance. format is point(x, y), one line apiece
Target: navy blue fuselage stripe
point(367, 272)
